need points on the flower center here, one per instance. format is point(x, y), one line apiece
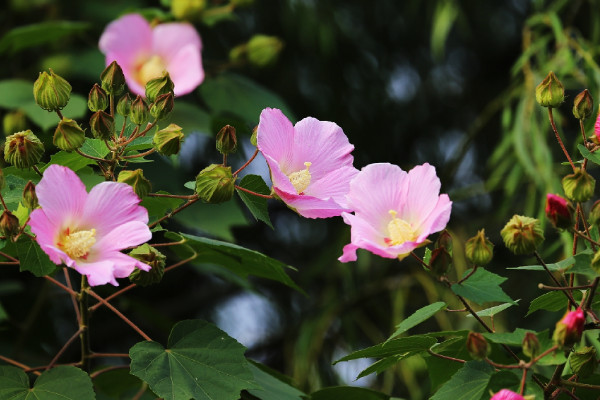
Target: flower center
point(399, 230)
point(301, 179)
point(78, 244)
point(154, 67)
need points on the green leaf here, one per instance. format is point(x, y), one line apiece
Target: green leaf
point(32, 258)
point(213, 219)
point(13, 190)
point(201, 363)
point(240, 96)
point(191, 118)
point(58, 383)
point(159, 206)
point(24, 37)
point(593, 157)
point(578, 264)
point(93, 147)
point(482, 287)
point(239, 260)
point(380, 366)
point(509, 338)
point(441, 370)
point(551, 301)
point(348, 393)
point(15, 93)
point(257, 205)
point(119, 384)
point(490, 312)
point(272, 387)
point(77, 108)
point(405, 347)
point(417, 317)
point(468, 383)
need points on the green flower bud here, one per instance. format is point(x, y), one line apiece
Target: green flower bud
point(112, 79)
point(23, 149)
point(440, 261)
point(579, 186)
point(157, 86)
point(124, 105)
point(237, 55)
point(531, 345)
point(189, 10)
point(162, 106)
point(9, 224)
point(139, 111)
point(14, 121)
point(97, 99)
point(102, 125)
point(253, 137)
point(152, 257)
point(30, 199)
point(583, 361)
point(167, 141)
point(68, 135)
point(263, 50)
point(522, 234)
point(594, 213)
point(141, 185)
point(479, 250)
point(227, 140)
point(583, 105)
point(477, 346)
point(444, 240)
point(215, 184)
point(550, 93)
point(51, 92)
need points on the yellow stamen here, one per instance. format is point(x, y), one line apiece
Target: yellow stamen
point(301, 179)
point(399, 231)
point(78, 244)
point(154, 67)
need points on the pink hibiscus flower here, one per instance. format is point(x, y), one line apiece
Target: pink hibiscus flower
point(394, 211)
point(506, 394)
point(310, 163)
point(145, 53)
point(87, 231)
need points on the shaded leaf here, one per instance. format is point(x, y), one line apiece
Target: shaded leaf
point(257, 205)
point(482, 287)
point(348, 393)
point(77, 108)
point(32, 258)
point(380, 366)
point(272, 387)
point(24, 37)
point(490, 312)
point(468, 383)
point(417, 317)
point(404, 347)
point(159, 206)
point(58, 383)
point(119, 384)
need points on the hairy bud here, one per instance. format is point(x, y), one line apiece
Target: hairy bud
point(51, 92)
point(139, 111)
point(550, 92)
point(522, 234)
point(23, 149)
point(68, 135)
point(124, 105)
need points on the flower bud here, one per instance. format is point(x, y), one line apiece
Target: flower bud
point(550, 93)
point(479, 250)
point(9, 224)
point(237, 55)
point(227, 140)
point(559, 211)
point(102, 125)
point(522, 234)
point(162, 106)
point(579, 186)
point(30, 199)
point(506, 394)
point(583, 105)
point(215, 184)
point(594, 216)
point(531, 345)
point(124, 105)
point(569, 329)
point(167, 141)
point(51, 92)
point(157, 86)
point(595, 263)
point(253, 137)
point(68, 135)
point(141, 185)
point(477, 346)
point(23, 149)
point(152, 257)
point(263, 50)
point(14, 121)
point(139, 111)
point(583, 361)
point(189, 10)
point(97, 99)
point(112, 79)
point(440, 261)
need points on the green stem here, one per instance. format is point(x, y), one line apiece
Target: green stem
point(84, 334)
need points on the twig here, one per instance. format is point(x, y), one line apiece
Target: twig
point(88, 156)
point(572, 301)
point(152, 150)
point(545, 287)
point(73, 299)
point(264, 196)
point(445, 357)
point(469, 274)
point(63, 349)
point(112, 368)
point(246, 163)
point(57, 283)
point(102, 355)
point(37, 170)
point(169, 215)
point(18, 364)
point(173, 196)
point(560, 142)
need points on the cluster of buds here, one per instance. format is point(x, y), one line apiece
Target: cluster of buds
point(479, 250)
point(141, 186)
point(522, 235)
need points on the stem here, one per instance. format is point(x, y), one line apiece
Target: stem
point(582, 129)
point(592, 293)
point(247, 163)
point(100, 372)
point(578, 384)
point(225, 159)
point(468, 275)
point(59, 114)
point(3, 203)
point(544, 354)
point(17, 364)
point(152, 150)
point(169, 215)
point(119, 314)
point(264, 196)
point(560, 142)
point(523, 379)
point(445, 357)
point(592, 241)
point(14, 260)
point(572, 302)
point(37, 170)
point(100, 355)
point(545, 287)
point(62, 350)
point(84, 332)
point(88, 156)
point(586, 227)
point(420, 260)
point(502, 366)
point(73, 299)
point(554, 380)
point(172, 196)
point(57, 283)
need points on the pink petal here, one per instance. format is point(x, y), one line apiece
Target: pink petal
point(169, 39)
point(45, 232)
point(61, 195)
point(279, 179)
point(275, 138)
point(422, 196)
point(365, 236)
point(111, 204)
point(185, 69)
point(124, 265)
point(129, 234)
point(311, 207)
point(98, 273)
point(133, 85)
point(127, 40)
point(349, 253)
point(437, 219)
point(334, 185)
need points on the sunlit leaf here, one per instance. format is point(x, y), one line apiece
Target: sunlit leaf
point(490, 312)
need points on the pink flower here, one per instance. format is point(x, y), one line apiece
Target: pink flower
point(597, 127)
point(145, 53)
point(87, 231)
point(394, 211)
point(506, 394)
point(569, 329)
point(310, 163)
point(559, 211)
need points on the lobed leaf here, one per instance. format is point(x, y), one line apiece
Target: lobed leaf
point(59, 383)
point(257, 205)
point(417, 317)
point(482, 287)
point(469, 383)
